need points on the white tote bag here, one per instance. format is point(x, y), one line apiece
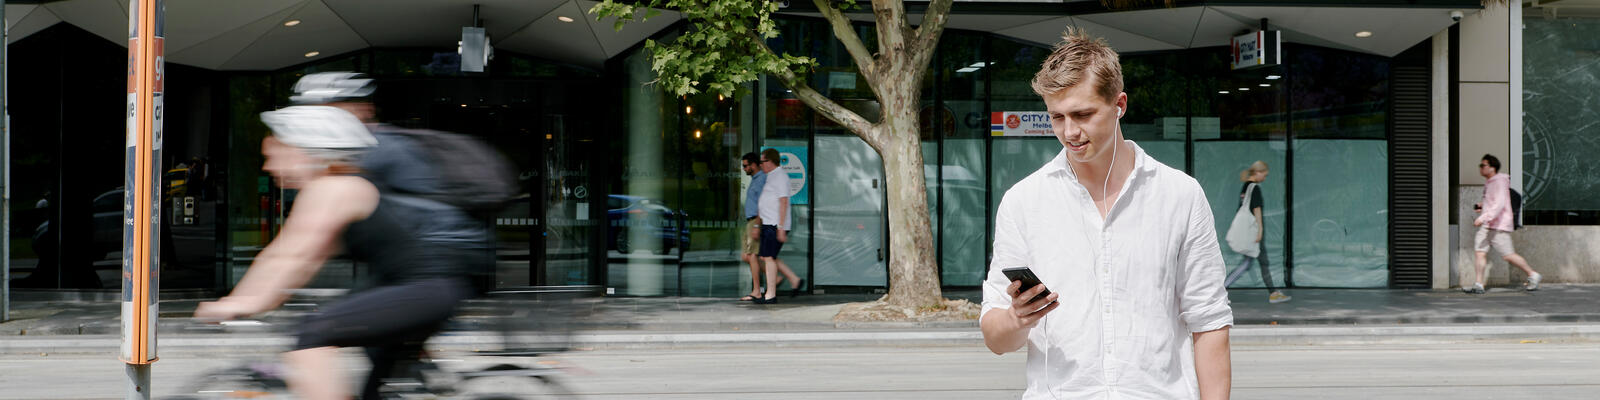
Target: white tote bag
point(1242, 232)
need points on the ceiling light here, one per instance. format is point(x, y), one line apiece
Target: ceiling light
point(696, 133)
point(1265, 85)
point(463, 106)
point(564, 18)
point(313, 54)
point(292, 22)
point(1363, 34)
point(967, 69)
point(1273, 77)
point(1244, 89)
point(1222, 92)
point(688, 109)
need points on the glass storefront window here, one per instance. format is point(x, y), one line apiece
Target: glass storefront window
point(1561, 118)
point(1339, 103)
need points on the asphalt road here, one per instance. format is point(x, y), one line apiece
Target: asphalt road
point(1369, 372)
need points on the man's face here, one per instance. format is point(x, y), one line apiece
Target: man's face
point(1083, 121)
point(1484, 169)
point(768, 165)
point(749, 169)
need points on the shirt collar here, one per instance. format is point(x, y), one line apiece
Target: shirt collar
point(1059, 164)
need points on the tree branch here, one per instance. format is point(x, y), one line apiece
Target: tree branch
point(927, 35)
point(891, 17)
point(852, 42)
point(822, 104)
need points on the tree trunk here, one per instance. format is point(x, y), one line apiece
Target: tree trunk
point(913, 272)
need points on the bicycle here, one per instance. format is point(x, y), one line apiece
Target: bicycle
point(530, 322)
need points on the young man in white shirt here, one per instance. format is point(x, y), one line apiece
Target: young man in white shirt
point(1126, 246)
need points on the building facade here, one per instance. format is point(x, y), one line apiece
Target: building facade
point(639, 191)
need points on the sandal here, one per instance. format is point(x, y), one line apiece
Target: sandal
point(747, 298)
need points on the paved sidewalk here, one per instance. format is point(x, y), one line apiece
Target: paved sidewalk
point(1557, 312)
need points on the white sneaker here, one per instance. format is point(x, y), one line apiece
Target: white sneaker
point(1277, 297)
point(1533, 281)
point(1477, 288)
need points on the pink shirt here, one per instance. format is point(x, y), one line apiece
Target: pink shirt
point(1497, 203)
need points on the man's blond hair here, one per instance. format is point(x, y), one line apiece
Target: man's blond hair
point(1075, 60)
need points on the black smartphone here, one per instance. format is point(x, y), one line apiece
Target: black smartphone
point(1028, 279)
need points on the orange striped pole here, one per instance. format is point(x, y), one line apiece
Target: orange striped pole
point(141, 192)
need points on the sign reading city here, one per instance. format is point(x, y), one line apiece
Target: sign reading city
point(793, 162)
point(1257, 49)
point(1020, 123)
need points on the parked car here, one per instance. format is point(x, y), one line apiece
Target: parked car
point(626, 213)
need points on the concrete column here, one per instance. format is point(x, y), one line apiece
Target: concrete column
point(1440, 159)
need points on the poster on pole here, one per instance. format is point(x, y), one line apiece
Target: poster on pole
point(793, 162)
point(141, 195)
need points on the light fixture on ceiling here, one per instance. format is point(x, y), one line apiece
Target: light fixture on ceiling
point(1222, 92)
point(1273, 77)
point(564, 18)
point(1244, 89)
point(688, 109)
point(292, 22)
point(696, 133)
point(1364, 34)
point(313, 54)
point(1265, 85)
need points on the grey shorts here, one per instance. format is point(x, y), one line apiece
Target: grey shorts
point(1499, 240)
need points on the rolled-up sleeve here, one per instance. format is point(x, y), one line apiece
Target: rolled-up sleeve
point(1009, 251)
point(1202, 297)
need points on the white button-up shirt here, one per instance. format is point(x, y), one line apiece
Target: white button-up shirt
point(1132, 287)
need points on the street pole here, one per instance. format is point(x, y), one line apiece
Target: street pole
point(141, 196)
point(5, 175)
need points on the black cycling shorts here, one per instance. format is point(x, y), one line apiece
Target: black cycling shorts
point(385, 315)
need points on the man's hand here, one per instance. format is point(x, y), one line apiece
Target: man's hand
point(783, 236)
point(1477, 223)
point(1006, 331)
point(1028, 313)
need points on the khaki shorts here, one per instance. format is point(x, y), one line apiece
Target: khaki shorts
point(1492, 238)
point(751, 245)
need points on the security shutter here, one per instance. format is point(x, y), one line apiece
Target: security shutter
point(1410, 186)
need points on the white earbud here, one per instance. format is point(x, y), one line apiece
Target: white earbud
point(1119, 112)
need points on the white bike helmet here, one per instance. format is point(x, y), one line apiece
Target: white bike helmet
point(329, 87)
point(319, 128)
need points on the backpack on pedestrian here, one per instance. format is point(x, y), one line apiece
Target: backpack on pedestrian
point(1516, 209)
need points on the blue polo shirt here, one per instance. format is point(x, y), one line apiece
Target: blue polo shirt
point(752, 196)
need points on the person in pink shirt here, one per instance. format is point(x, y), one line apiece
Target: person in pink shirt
point(1494, 224)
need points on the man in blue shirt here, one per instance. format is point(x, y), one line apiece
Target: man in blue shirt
point(751, 162)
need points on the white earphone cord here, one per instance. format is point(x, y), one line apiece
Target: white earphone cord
point(1117, 143)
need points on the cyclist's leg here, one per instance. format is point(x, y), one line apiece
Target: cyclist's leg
point(316, 374)
point(384, 316)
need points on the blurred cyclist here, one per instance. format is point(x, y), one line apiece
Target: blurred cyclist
point(419, 265)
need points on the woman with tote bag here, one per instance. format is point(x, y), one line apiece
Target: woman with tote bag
point(1246, 231)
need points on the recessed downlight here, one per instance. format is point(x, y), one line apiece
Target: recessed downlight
point(1364, 34)
point(292, 22)
point(564, 18)
point(313, 54)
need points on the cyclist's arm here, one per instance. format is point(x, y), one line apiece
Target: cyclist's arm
point(311, 234)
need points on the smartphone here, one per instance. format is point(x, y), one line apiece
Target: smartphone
point(1028, 279)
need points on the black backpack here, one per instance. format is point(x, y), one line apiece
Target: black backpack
point(466, 173)
point(1516, 209)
